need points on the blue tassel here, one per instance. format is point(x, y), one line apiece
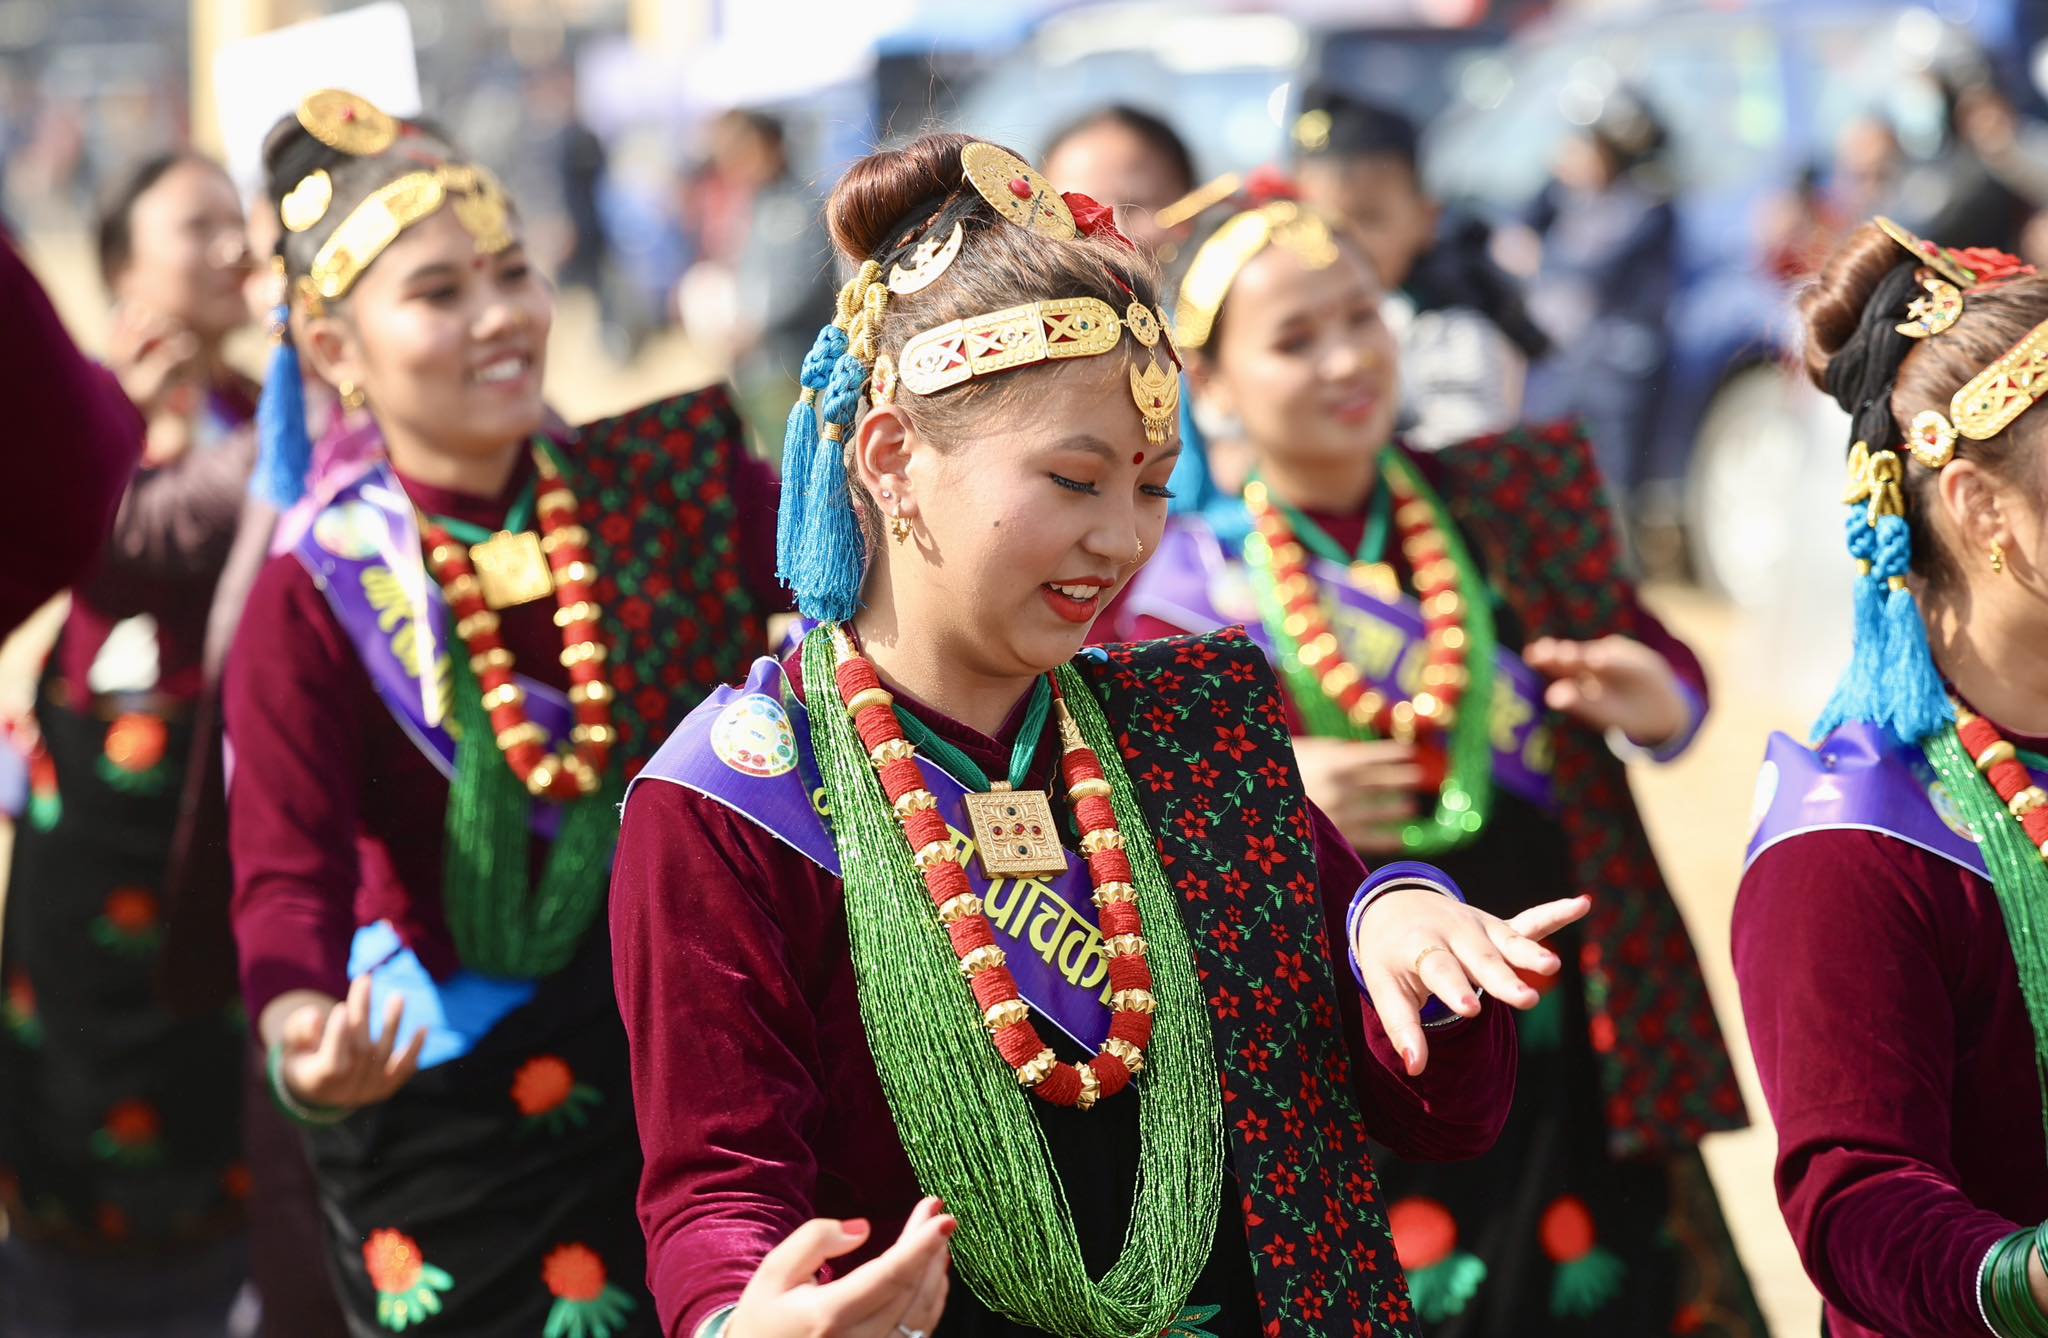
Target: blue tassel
point(1857, 694)
point(1915, 703)
point(800, 446)
point(831, 558)
point(284, 456)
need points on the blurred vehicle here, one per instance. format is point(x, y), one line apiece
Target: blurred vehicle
point(1227, 80)
point(1754, 96)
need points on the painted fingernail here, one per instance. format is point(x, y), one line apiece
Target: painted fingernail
point(1408, 1054)
point(855, 1226)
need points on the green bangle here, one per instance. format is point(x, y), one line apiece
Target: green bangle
point(297, 1111)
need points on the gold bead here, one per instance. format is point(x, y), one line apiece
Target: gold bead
point(1124, 945)
point(959, 908)
point(1451, 638)
point(461, 588)
point(2001, 751)
point(2027, 800)
point(1091, 1088)
point(1288, 553)
point(1321, 648)
point(981, 959)
point(443, 554)
point(1298, 586)
point(1443, 605)
point(544, 465)
point(1365, 712)
point(554, 500)
point(541, 779)
point(481, 623)
point(1402, 722)
point(1131, 1055)
point(915, 801)
point(1422, 550)
point(505, 694)
point(1338, 678)
point(495, 658)
point(1093, 788)
point(1134, 1001)
point(568, 536)
point(891, 750)
point(579, 771)
point(523, 732)
point(1109, 838)
point(576, 573)
point(1427, 705)
point(1414, 511)
point(867, 697)
point(1038, 1068)
point(1295, 625)
point(587, 652)
point(582, 611)
point(596, 690)
point(594, 736)
point(1008, 1013)
point(1446, 676)
point(938, 852)
point(1110, 894)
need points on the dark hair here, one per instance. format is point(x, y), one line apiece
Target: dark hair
point(291, 154)
point(889, 202)
point(1151, 130)
point(115, 228)
point(1883, 378)
point(1357, 128)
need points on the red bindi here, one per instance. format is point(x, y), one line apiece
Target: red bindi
point(1138, 459)
point(479, 262)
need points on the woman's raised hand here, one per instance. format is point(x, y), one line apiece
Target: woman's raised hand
point(1615, 682)
point(900, 1291)
point(1414, 942)
point(330, 1060)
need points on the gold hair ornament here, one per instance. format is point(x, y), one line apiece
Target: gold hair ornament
point(932, 258)
point(1015, 190)
point(1936, 257)
point(307, 203)
point(1198, 201)
point(1987, 404)
point(1230, 248)
point(1939, 306)
point(347, 122)
point(478, 201)
point(1874, 478)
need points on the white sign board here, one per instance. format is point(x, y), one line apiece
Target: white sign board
point(259, 79)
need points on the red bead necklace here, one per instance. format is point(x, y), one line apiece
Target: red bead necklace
point(1438, 586)
point(1996, 757)
point(566, 773)
point(1003, 1010)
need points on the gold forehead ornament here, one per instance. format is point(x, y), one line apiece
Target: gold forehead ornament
point(1216, 265)
point(476, 196)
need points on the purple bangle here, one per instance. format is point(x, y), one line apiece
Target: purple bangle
point(1390, 878)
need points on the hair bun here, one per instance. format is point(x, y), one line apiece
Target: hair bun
point(290, 154)
point(1833, 307)
point(874, 200)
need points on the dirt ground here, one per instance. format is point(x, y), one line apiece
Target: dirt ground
point(1697, 807)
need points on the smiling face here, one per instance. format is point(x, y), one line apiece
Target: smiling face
point(188, 253)
point(1022, 533)
point(1302, 357)
point(448, 345)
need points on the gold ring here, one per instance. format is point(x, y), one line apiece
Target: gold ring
point(1423, 956)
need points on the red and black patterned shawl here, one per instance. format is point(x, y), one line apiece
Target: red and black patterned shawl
point(1532, 503)
point(1203, 735)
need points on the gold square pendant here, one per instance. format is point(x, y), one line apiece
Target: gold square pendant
point(1376, 579)
point(511, 569)
point(1014, 834)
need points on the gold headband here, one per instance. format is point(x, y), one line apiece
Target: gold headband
point(1987, 404)
point(1231, 247)
point(997, 341)
point(479, 203)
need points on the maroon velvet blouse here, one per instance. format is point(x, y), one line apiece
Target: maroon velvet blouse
point(758, 1101)
point(336, 817)
point(1885, 1012)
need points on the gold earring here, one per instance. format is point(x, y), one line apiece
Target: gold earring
point(1998, 559)
point(352, 396)
point(899, 528)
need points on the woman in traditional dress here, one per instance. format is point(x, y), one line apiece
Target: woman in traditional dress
point(433, 702)
point(1457, 648)
point(949, 987)
point(1891, 933)
point(119, 1128)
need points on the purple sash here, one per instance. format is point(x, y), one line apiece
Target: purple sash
point(1196, 587)
point(1858, 779)
point(363, 551)
point(742, 748)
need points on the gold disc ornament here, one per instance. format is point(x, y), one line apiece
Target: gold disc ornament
point(308, 201)
point(347, 122)
point(1017, 191)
